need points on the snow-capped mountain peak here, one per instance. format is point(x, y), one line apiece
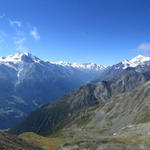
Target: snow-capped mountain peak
point(20, 57)
point(140, 59)
point(134, 62)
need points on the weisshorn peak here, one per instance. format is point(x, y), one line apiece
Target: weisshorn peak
point(138, 60)
point(139, 63)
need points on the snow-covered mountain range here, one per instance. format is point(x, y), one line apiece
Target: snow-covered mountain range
point(27, 82)
point(27, 57)
point(86, 66)
point(134, 62)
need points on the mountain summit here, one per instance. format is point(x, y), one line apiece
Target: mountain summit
point(139, 63)
point(138, 60)
point(20, 57)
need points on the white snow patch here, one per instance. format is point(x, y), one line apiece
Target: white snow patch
point(114, 134)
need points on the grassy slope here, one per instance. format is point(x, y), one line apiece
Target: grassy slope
point(47, 143)
point(54, 143)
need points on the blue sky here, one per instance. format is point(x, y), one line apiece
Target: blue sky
point(100, 31)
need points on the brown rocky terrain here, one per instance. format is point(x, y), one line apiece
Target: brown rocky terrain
point(11, 142)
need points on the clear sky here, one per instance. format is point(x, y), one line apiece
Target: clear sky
point(100, 31)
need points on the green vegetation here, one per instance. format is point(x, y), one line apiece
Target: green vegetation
point(143, 115)
point(47, 143)
point(83, 120)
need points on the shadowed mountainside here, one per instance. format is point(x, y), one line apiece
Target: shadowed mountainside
point(57, 114)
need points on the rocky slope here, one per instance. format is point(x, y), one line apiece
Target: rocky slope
point(107, 144)
point(121, 123)
point(10, 142)
point(123, 111)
